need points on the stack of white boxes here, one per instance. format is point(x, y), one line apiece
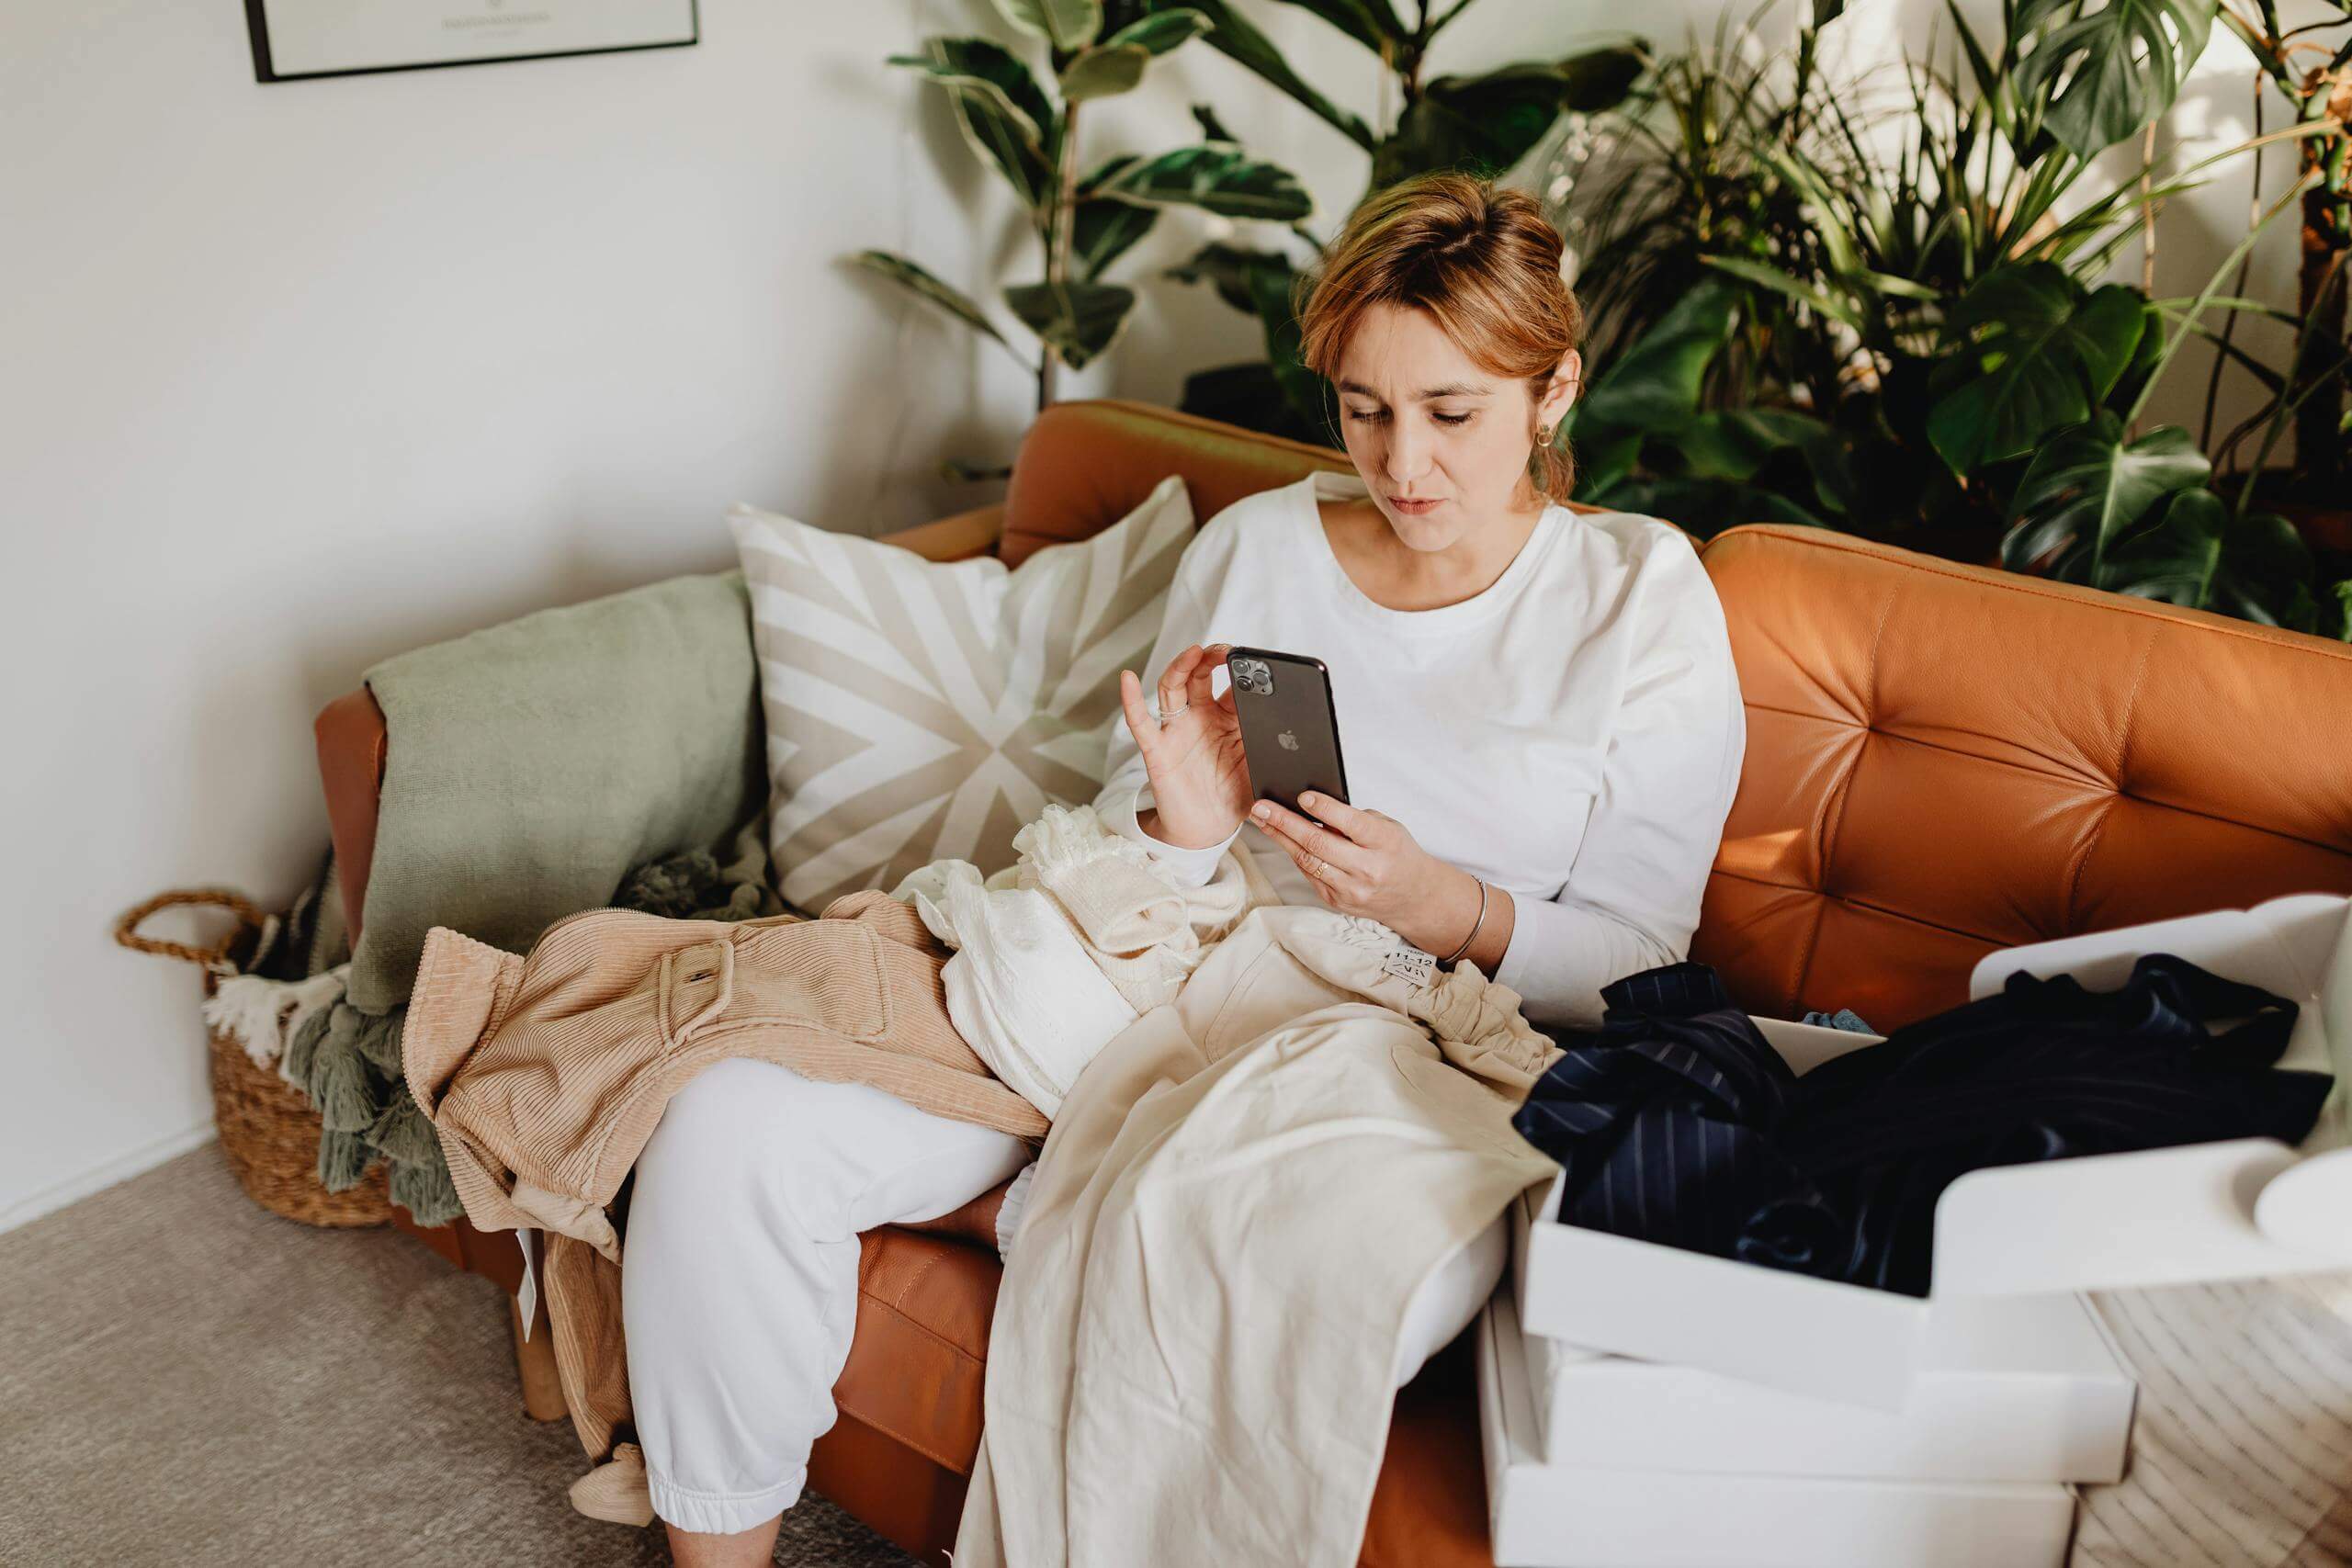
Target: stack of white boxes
point(1643, 1406)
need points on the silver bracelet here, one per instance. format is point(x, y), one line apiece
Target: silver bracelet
point(1474, 928)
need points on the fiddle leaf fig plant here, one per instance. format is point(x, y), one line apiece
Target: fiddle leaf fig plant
point(1084, 223)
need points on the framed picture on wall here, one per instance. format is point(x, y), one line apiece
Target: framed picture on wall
point(295, 39)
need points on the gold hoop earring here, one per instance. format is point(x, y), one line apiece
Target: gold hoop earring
point(1542, 436)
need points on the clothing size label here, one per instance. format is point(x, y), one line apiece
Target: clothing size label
point(1409, 964)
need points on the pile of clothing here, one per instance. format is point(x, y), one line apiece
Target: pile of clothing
point(1291, 1112)
point(1677, 1123)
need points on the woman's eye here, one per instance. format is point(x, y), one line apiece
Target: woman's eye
point(1365, 418)
point(1451, 418)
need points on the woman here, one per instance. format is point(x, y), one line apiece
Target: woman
point(1542, 732)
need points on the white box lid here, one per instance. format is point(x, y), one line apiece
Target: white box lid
point(2230, 1209)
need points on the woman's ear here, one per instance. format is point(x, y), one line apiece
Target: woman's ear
point(1561, 393)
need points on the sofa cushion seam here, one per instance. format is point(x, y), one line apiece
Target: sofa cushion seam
point(1861, 904)
point(915, 1444)
point(921, 1328)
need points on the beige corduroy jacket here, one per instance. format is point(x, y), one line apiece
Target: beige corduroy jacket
point(545, 1075)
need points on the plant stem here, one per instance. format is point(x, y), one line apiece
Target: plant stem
point(1065, 200)
point(2230, 326)
point(2288, 408)
point(2148, 231)
point(2214, 286)
point(1060, 224)
point(2319, 449)
point(1430, 29)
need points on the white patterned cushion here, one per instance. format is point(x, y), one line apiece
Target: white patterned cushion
point(919, 709)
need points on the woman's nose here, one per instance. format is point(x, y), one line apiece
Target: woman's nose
point(1409, 458)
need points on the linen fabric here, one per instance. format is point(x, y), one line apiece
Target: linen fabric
point(1677, 1123)
point(530, 766)
point(527, 769)
point(740, 1287)
point(1060, 952)
point(1586, 698)
point(1232, 1216)
point(920, 710)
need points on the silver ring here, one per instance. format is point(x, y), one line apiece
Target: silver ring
point(1164, 717)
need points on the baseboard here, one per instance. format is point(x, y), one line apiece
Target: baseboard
point(97, 1179)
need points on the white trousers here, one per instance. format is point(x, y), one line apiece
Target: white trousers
point(738, 1275)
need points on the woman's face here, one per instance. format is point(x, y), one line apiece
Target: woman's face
point(1442, 444)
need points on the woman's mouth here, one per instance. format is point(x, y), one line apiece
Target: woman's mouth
point(1414, 506)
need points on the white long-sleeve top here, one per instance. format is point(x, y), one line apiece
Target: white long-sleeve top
point(1572, 734)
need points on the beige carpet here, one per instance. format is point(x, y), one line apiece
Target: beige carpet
point(186, 1380)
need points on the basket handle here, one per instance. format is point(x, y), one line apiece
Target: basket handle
point(216, 959)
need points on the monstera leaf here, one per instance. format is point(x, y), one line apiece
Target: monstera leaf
point(913, 278)
point(1220, 179)
point(1065, 23)
point(998, 105)
point(1078, 321)
point(2027, 353)
point(1232, 35)
point(1488, 122)
point(1655, 384)
point(2114, 68)
point(2088, 489)
point(2258, 567)
point(1736, 443)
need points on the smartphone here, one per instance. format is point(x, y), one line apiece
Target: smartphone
point(1290, 732)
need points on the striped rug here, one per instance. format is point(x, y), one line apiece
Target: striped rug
point(2241, 1452)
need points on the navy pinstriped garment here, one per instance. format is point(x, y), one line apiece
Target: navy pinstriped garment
point(1677, 1123)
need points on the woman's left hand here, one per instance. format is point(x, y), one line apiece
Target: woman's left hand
point(1367, 863)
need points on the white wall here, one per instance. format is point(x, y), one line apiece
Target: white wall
point(294, 378)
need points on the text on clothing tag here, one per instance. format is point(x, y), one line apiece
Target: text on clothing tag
point(1409, 964)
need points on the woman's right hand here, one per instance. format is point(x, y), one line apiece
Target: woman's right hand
point(1199, 779)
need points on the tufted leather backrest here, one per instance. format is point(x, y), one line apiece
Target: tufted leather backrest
point(1084, 466)
point(1942, 759)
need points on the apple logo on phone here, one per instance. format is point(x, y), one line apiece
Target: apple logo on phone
point(1289, 741)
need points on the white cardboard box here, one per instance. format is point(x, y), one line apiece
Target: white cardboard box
point(2218, 1210)
point(1545, 1516)
point(2019, 1388)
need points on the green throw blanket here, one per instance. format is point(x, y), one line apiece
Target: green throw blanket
point(605, 753)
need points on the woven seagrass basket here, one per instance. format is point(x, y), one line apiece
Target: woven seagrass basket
point(269, 1130)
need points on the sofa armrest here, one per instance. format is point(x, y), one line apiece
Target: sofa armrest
point(973, 533)
point(352, 745)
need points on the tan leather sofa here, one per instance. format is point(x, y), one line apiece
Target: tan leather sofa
point(1942, 760)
